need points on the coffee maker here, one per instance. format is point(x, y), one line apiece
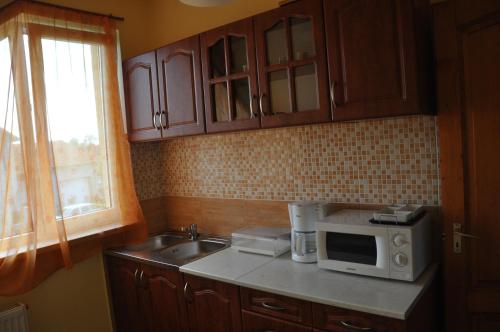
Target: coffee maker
point(303, 217)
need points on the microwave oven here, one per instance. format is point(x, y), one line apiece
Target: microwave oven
point(348, 242)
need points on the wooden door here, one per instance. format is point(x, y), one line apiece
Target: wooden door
point(292, 66)
point(122, 280)
point(469, 122)
point(161, 299)
point(230, 77)
point(372, 58)
point(253, 322)
point(141, 95)
point(181, 92)
point(212, 306)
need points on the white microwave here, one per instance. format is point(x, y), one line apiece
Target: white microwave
point(348, 242)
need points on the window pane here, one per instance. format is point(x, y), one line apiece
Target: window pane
point(220, 101)
point(217, 59)
point(75, 109)
point(13, 197)
point(239, 59)
point(306, 90)
point(280, 93)
point(276, 44)
point(302, 38)
point(241, 98)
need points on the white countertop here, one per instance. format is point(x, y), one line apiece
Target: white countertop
point(283, 276)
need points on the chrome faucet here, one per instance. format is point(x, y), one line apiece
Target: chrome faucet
point(192, 231)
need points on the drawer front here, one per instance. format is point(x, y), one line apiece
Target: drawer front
point(253, 322)
point(341, 320)
point(276, 306)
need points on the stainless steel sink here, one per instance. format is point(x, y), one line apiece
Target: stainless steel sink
point(190, 250)
point(155, 243)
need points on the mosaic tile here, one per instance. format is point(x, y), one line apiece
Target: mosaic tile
point(378, 161)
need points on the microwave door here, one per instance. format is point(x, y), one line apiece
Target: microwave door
point(355, 253)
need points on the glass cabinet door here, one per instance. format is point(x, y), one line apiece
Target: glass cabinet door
point(292, 65)
point(230, 77)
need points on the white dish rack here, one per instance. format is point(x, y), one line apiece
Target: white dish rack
point(401, 213)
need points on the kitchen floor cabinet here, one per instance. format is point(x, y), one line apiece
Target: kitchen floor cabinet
point(141, 92)
point(145, 298)
point(253, 322)
point(292, 65)
point(230, 77)
point(380, 57)
point(212, 306)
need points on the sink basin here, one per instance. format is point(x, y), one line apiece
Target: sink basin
point(156, 243)
point(188, 251)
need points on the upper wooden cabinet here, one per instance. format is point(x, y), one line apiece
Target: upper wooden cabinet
point(380, 59)
point(230, 77)
point(292, 65)
point(469, 10)
point(180, 84)
point(141, 91)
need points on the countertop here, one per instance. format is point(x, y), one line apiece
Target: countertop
point(281, 275)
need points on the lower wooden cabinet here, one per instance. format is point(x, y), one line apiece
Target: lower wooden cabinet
point(212, 306)
point(145, 298)
point(253, 322)
point(149, 298)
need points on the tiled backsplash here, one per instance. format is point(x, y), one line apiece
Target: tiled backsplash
point(376, 161)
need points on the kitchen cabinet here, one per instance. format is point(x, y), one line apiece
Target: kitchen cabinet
point(380, 57)
point(253, 322)
point(212, 306)
point(141, 91)
point(230, 77)
point(469, 10)
point(180, 88)
point(292, 65)
point(122, 281)
point(145, 298)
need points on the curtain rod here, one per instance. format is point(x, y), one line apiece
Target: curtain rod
point(117, 18)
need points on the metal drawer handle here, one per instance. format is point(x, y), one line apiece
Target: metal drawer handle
point(272, 307)
point(157, 117)
point(136, 280)
point(141, 279)
point(164, 119)
point(187, 293)
point(332, 95)
point(354, 327)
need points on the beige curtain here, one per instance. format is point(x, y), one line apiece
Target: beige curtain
point(66, 188)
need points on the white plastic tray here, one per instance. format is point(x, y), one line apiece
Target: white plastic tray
point(398, 213)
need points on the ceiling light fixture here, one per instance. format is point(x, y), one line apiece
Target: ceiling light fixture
point(205, 3)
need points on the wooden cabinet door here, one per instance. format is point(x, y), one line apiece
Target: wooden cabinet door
point(161, 299)
point(180, 83)
point(372, 58)
point(122, 278)
point(253, 322)
point(212, 306)
point(292, 66)
point(141, 95)
point(230, 77)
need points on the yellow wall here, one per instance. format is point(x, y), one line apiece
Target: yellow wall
point(70, 300)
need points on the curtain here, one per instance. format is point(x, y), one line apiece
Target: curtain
point(66, 187)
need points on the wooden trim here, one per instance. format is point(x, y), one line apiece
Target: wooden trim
point(60, 7)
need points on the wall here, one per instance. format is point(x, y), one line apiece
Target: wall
point(70, 300)
point(371, 162)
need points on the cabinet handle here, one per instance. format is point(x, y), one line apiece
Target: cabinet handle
point(188, 293)
point(272, 307)
point(155, 122)
point(136, 280)
point(141, 278)
point(253, 114)
point(261, 104)
point(332, 95)
point(354, 327)
point(163, 116)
